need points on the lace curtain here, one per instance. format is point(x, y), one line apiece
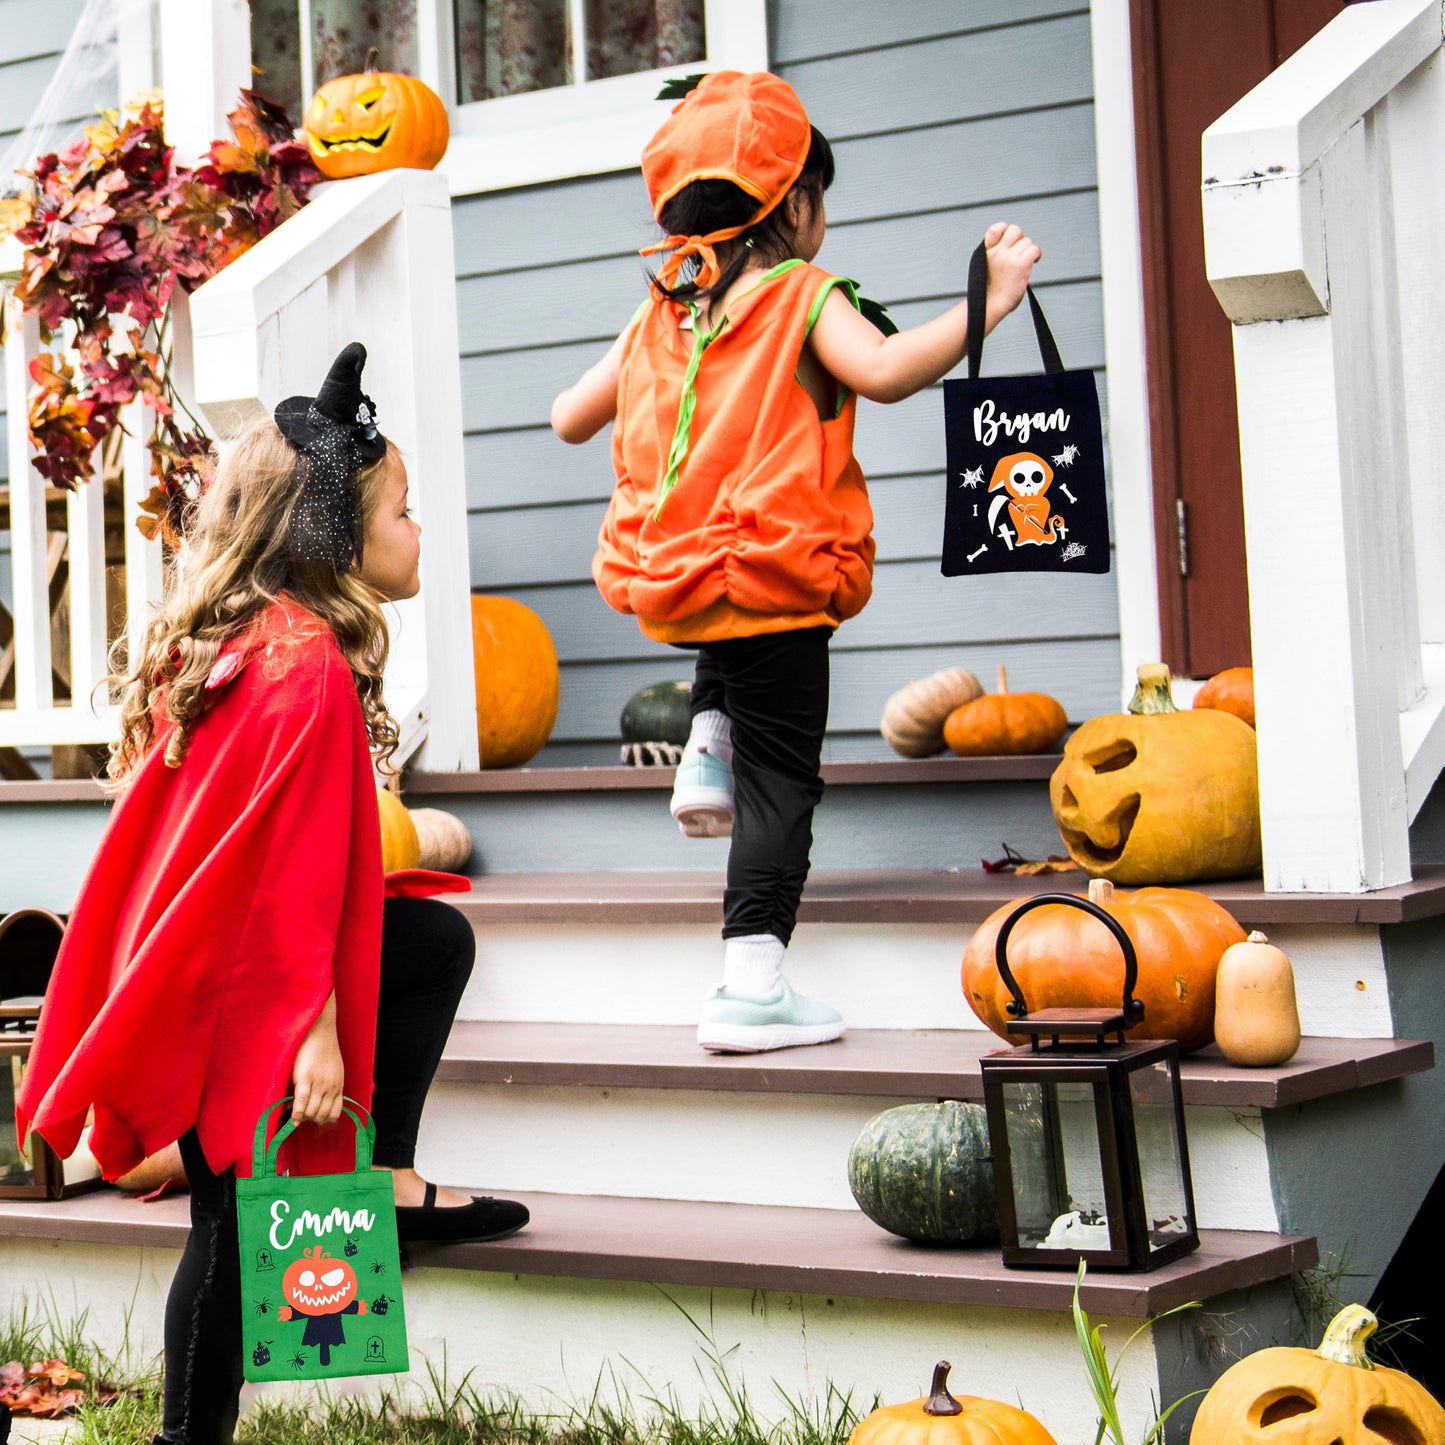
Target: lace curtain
point(503, 47)
point(343, 32)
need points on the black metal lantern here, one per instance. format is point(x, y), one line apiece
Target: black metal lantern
point(1087, 1131)
point(29, 941)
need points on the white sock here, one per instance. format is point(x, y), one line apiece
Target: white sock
point(712, 732)
point(753, 965)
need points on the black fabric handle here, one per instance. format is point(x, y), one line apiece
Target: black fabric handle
point(978, 313)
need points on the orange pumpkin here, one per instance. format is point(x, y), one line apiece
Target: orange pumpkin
point(943, 1419)
point(317, 1284)
point(1230, 691)
point(400, 845)
point(1062, 958)
point(518, 682)
point(1005, 722)
point(1333, 1395)
point(376, 121)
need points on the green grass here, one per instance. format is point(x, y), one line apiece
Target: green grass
point(439, 1412)
point(464, 1416)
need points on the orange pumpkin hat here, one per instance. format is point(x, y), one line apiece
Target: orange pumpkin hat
point(750, 129)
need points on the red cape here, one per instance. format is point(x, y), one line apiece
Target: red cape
point(228, 898)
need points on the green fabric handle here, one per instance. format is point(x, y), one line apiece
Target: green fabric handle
point(263, 1160)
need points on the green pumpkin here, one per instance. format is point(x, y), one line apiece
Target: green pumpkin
point(925, 1171)
point(658, 714)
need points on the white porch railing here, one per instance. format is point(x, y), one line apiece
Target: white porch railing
point(37, 554)
point(368, 260)
point(1324, 219)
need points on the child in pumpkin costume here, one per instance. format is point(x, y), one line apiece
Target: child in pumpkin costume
point(231, 943)
point(740, 524)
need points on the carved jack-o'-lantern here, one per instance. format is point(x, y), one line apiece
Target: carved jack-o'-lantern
point(316, 1284)
point(376, 121)
point(1156, 795)
point(1331, 1396)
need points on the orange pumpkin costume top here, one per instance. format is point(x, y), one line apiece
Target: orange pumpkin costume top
point(738, 510)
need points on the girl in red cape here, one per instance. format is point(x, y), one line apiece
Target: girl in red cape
point(230, 943)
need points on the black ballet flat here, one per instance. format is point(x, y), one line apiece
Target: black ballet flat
point(482, 1220)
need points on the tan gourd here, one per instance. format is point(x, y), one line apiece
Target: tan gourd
point(913, 717)
point(1256, 1019)
point(442, 839)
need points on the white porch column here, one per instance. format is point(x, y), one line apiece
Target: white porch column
point(1305, 251)
point(205, 64)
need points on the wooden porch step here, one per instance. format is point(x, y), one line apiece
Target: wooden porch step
point(898, 1063)
point(679, 1242)
point(896, 895)
point(890, 772)
point(420, 788)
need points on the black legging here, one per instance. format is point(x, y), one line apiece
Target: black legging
point(775, 690)
point(427, 950)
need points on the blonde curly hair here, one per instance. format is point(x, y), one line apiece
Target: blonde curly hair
point(240, 560)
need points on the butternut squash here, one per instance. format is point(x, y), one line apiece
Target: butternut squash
point(1256, 1018)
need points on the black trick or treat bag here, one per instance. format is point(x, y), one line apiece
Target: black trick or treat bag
point(1025, 489)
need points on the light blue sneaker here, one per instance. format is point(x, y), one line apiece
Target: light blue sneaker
point(736, 1023)
point(702, 796)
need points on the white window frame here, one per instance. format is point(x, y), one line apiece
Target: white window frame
point(586, 128)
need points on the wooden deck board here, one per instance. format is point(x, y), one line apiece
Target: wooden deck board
point(740, 1246)
point(901, 1063)
point(883, 895)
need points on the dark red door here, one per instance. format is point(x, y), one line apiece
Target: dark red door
point(1192, 60)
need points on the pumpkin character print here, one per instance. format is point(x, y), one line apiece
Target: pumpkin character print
point(320, 1289)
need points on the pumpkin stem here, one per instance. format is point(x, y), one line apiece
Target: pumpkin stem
point(1101, 891)
point(1152, 695)
point(1344, 1340)
point(1255, 936)
point(1002, 678)
point(939, 1401)
point(371, 56)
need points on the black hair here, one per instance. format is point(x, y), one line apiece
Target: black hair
point(716, 205)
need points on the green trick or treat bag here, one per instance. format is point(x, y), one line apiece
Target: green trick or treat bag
point(320, 1265)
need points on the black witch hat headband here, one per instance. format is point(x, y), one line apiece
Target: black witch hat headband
point(335, 432)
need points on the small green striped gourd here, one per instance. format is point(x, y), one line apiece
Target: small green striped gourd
point(925, 1171)
point(658, 714)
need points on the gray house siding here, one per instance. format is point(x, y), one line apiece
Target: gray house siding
point(944, 117)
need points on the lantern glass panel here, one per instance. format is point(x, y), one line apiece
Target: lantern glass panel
point(1056, 1163)
point(1161, 1165)
point(15, 1167)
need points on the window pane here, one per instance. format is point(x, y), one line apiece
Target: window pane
point(276, 53)
point(344, 31)
point(505, 47)
point(625, 36)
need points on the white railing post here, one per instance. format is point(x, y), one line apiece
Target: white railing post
point(144, 563)
point(29, 580)
point(205, 64)
point(1315, 260)
point(85, 518)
